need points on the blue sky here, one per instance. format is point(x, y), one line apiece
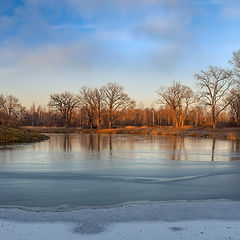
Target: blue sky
point(49, 46)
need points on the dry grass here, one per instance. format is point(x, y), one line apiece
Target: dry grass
point(17, 135)
point(223, 133)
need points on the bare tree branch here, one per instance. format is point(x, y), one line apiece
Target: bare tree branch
point(64, 103)
point(215, 84)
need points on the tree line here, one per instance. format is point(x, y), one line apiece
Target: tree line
point(216, 102)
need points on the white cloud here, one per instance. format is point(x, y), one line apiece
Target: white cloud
point(231, 12)
point(163, 24)
point(74, 27)
point(77, 55)
point(5, 23)
point(169, 36)
point(90, 7)
point(166, 28)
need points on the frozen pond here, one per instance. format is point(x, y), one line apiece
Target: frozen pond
point(68, 172)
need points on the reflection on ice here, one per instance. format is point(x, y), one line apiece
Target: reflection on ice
point(172, 148)
point(101, 170)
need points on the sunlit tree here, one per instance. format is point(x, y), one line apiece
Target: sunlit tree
point(215, 85)
point(177, 98)
point(116, 100)
point(64, 103)
point(11, 110)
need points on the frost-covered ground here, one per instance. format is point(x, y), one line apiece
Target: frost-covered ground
point(176, 220)
point(187, 230)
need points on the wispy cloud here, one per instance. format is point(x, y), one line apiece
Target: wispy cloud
point(231, 12)
point(98, 31)
point(169, 36)
point(122, 39)
point(74, 27)
point(162, 28)
point(206, 2)
point(84, 33)
point(76, 56)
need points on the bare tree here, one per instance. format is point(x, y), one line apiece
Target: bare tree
point(187, 100)
point(64, 103)
point(116, 101)
point(93, 104)
point(235, 94)
point(11, 110)
point(234, 99)
point(235, 62)
point(215, 84)
point(178, 99)
point(98, 102)
point(88, 104)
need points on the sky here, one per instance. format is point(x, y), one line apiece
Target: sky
point(52, 46)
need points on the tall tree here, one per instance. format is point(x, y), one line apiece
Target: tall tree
point(11, 110)
point(87, 97)
point(98, 102)
point(93, 104)
point(116, 100)
point(64, 103)
point(215, 84)
point(234, 99)
point(235, 62)
point(187, 100)
point(177, 98)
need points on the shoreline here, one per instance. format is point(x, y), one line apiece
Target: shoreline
point(62, 209)
point(129, 221)
point(16, 135)
point(162, 211)
point(200, 132)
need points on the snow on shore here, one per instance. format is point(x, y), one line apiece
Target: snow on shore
point(187, 230)
point(164, 221)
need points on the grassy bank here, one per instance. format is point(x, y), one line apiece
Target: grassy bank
point(17, 135)
point(223, 133)
point(53, 129)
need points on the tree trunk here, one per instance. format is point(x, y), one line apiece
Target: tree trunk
point(182, 123)
point(110, 124)
point(153, 118)
point(99, 121)
point(175, 121)
point(214, 125)
point(66, 124)
point(90, 123)
point(110, 119)
point(213, 119)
